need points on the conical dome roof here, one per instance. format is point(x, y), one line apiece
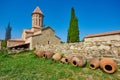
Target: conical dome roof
point(37, 10)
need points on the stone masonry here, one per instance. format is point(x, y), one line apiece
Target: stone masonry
point(97, 49)
point(47, 37)
point(107, 36)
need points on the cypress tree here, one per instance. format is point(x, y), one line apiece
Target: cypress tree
point(8, 32)
point(73, 31)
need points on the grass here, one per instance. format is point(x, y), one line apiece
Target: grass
point(26, 66)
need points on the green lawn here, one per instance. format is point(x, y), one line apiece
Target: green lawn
point(26, 66)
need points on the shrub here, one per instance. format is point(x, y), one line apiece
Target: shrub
point(4, 44)
point(3, 53)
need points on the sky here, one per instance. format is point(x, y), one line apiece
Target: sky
point(94, 16)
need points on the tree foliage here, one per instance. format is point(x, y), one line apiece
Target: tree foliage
point(8, 32)
point(73, 31)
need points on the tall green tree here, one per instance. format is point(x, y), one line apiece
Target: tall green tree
point(73, 30)
point(8, 32)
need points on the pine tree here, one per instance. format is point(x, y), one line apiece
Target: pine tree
point(8, 32)
point(73, 31)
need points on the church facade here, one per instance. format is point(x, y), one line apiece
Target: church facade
point(37, 35)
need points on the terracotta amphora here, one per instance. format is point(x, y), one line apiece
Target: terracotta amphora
point(39, 53)
point(79, 60)
point(64, 60)
point(94, 63)
point(57, 57)
point(108, 65)
point(48, 54)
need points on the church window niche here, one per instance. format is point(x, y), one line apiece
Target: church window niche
point(48, 42)
point(39, 22)
point(36, 21)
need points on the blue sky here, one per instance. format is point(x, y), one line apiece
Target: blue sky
point(95, 16)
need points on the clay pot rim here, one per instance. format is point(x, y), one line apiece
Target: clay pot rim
point(75, 63)
point(109, 71)
point(92, 67)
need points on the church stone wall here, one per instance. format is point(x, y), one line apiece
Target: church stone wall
point(29, 40)
point(47, 37)
point(23, 35)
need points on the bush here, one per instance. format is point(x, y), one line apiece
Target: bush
point(4, 44)
point(3, 53)
point(62, 42)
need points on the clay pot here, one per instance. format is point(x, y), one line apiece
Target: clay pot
point(57, 57)
point(39, 53)
point(108, 65)
point(75, 61)
point(94, 63)
point(69, 58)
point(48, 54)
point(79, 61)
point(64, 60)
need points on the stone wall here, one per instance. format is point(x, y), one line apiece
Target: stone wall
point(47, 37)
point(97, 49)
point(104, 38)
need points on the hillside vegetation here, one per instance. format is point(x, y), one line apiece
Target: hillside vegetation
point(26, 66)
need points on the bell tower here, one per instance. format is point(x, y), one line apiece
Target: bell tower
point(37, 19)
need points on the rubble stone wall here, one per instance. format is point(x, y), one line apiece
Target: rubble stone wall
point(104, 38)
point(97, 49)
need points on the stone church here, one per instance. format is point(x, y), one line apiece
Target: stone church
point(37, 35)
